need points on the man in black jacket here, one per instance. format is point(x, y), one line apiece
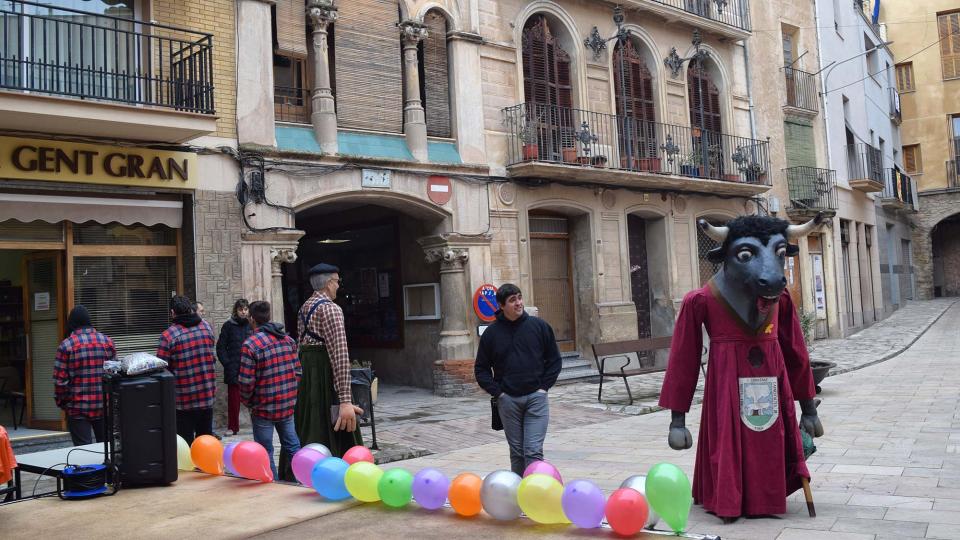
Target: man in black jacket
point(517, 363)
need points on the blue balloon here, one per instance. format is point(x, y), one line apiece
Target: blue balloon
point(327, 477)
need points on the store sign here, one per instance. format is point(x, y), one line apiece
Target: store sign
point(63, 161)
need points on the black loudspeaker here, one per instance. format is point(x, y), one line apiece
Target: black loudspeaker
point(141, 425)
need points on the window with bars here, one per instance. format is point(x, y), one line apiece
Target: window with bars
point(912, 161)
point(905, 81)
point(434, 75)
point(948, 25)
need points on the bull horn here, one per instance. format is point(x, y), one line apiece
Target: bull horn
point(717, 233)
point(799, 231)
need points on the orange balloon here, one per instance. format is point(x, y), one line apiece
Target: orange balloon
point(464, 494)
point(207, 454)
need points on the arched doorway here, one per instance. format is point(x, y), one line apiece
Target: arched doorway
point(945, 241)
point(649, 271)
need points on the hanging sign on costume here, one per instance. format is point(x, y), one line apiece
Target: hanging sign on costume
point(485, 303)
point(759, 402)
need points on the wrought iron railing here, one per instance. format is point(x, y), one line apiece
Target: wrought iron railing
point(864, 162)
point(68, 52)
point(801, 89)
point(898, 186)
point(895, 113)
point(735, 13)
point(953, 174)
point(291, 104)
point(547, 133)
point(811, 188)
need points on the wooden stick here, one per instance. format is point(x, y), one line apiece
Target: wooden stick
point(809, 496)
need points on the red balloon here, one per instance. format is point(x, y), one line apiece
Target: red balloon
point(358, 453)
point(250, 460)
point(626, 511)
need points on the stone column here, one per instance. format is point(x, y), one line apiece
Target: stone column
point(278, 256)
point(455, 342)
point(922, 262)
point(261, 257)
point(254, 98)
point(324, 115)
point(414, 118)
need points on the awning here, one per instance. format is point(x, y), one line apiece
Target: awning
point(27, 207)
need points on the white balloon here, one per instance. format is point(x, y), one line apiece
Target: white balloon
point(499, 495)
point(638, 482)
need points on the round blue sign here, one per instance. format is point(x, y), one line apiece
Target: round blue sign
point(485, 303)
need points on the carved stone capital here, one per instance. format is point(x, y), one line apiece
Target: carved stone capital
point(321, 13)
point(411, 32)
point(449, 258)
point(283, 255)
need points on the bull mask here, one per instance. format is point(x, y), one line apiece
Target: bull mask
point(719, 234)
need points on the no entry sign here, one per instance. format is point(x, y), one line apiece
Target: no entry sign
point(439, 189)
point(485, 303)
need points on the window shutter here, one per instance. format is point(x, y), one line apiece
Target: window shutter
point(905, 77)
point(637, 101)
point(368, 66)
point(949, 26)
point(436, 78)
point(711, 101)
point(291, 23)
point(911, 158)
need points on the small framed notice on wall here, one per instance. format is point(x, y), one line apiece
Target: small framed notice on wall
point(421, 302)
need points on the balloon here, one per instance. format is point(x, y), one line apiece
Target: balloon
point(430, 488)
point(303, 462)
point(395, 488)
point(207, 453)
point(465, 494)
point(638, 483)
point(320, 448)
point(358, 453)
point(184, 461)
point(626, 511)
point(583, 504)
point(542, 467)
point(499, 495)
point(327, 478)
point(669, 491)
point(540, 497)
point(228, 458)
point(362, 479)
point(251, 461)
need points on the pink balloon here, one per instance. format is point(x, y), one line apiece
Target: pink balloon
point(358, 453)
point(542, 467)
point(251, 461)
point(303, 462)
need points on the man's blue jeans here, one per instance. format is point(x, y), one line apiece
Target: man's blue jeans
point(525, 420)
point(263, 434)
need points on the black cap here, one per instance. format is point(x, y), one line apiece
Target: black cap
point(324, 268)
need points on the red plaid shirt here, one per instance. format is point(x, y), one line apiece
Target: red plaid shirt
point(190, 353)
point(327, 323)
point(78, 372)
point(269, 374)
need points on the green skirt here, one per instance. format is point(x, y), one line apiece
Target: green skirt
point(314, 397)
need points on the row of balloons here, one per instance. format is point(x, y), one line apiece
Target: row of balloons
point(640, 502)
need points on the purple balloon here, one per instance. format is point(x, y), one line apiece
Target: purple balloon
point(303, 462)
point(430, 488)
point(542, 467)
point(583, 504)
point(228, 458)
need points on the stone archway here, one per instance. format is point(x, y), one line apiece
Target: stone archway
point(936, 242)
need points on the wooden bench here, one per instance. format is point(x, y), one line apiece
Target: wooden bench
point(604, 352)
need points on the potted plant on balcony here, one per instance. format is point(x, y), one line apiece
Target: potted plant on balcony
point(692, 164)
point(529, 135)
point(754, 174)
point(568, 144)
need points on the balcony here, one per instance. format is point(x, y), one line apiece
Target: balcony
point(897, 191)
point(291, 104)
point(865, 168)
point(895, 113)
point(811, 191)
point(577, 146)
point(953, 174)
point(729, 18)
point(74, 72)
point(801, 91)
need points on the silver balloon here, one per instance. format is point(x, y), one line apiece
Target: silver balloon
point(638, 482)
point(320, 448)
point(499, 495)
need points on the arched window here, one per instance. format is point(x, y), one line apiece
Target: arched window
point(705, 117)
point(434, 75)
point(636, 110)
point(547, 88)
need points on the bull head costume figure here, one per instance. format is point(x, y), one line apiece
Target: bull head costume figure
point(749, 453)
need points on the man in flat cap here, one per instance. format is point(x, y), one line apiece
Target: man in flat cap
point(325, 412)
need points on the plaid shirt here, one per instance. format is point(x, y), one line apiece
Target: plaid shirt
point(78, 372)
point(269, 374)
point(189, 351)
point(327, 322)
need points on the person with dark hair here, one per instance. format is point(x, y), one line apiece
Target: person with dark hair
point(233, 333)
point(78, 377)
point(198, 309)
point(325, 412)
point(517, 363)
point(269, 375)
point(188, 348)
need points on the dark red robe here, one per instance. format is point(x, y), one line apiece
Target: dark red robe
point(740, 470)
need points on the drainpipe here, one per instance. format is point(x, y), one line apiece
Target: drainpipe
point(746, 65)
point(823, 88)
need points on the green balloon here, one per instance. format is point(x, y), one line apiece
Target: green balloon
point(669, 493)
point(396, 488)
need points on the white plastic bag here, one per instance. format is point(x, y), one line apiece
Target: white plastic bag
point(141, 362)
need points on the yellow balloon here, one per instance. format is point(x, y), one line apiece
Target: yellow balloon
point(184, 461)
point(539, 497)
point(362, 481)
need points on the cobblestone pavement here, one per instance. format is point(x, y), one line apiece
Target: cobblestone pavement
point(887, 468)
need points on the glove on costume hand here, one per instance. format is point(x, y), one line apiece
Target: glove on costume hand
point(809, 421)
point(679, 438)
